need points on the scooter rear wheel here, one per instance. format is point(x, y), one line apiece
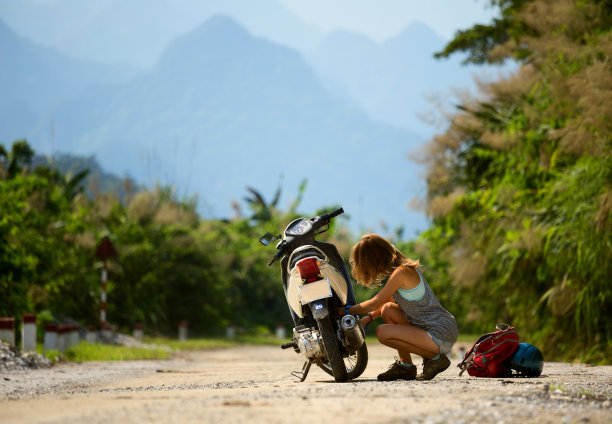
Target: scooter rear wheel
point(355, 364)
point(337, 369)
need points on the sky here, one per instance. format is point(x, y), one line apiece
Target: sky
point(382, 19)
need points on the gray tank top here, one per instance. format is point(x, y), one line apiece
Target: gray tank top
point(429, 314)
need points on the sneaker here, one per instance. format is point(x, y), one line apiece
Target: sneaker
point(432, 367)
point(398, 372)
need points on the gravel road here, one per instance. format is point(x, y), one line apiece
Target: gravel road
point(254, 385)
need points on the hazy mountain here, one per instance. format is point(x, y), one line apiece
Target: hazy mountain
point(269, 19)
point(222, 110)
point(137, 31)
point(133, 32)
point(47, 22)
point(34, 79)
point(391, 80)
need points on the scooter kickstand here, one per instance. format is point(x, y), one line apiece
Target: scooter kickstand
point(302, 375)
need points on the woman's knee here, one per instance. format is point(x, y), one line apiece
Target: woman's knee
point(387, 312)
point(392, 314)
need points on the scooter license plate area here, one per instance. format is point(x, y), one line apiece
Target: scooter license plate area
point(316, 290)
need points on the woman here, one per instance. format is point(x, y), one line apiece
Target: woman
point(415, 321)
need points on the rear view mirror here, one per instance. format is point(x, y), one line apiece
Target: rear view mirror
point(267, 238)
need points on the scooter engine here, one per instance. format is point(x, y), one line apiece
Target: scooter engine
point(309, 342)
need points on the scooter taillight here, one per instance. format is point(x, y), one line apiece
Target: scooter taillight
point(309, 269)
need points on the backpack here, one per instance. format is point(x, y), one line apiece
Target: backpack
point(486, 357)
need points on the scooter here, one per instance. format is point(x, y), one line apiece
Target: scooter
point(317, 284)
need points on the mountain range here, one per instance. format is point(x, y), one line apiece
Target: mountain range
point(34, 79)
point(393, 80)
point(136, 32)
point(214, 117)
point(221, 109)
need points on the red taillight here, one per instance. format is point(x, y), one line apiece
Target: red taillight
point(309, 270)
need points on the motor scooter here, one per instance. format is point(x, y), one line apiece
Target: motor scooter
point(317, 284)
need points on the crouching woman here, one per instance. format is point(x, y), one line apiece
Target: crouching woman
point(414, 320)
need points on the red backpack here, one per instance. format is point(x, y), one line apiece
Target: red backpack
point(485, 358)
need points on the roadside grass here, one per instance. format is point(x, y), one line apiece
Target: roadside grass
point(207, 343)
point(52, 355)
point(163, 347)
point(85, 351)
point(158, 348)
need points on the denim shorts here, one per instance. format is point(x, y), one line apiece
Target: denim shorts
point(445, 347)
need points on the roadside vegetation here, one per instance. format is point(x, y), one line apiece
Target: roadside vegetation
point(519, 191)
point(152, 348)
point(85, 351)
point(520, 184)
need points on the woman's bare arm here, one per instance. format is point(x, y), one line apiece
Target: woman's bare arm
point(406, 278)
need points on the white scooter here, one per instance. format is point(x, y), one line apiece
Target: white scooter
point(316, 284)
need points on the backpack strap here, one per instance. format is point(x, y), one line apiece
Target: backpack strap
point(464, 363)
point(467, 360)
point(484, 358)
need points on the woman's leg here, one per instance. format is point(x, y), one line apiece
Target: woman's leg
point(399, 334)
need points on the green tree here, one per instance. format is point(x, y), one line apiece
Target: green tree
point(172, 264)
point(13, 161)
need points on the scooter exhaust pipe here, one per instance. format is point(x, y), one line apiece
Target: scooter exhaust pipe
point(353, 333)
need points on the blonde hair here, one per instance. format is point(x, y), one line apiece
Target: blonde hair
point(373, 258)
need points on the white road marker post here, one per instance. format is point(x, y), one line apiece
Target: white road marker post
point(230, 331)
point(50, 341)
point(138, 332)
point(75, 336)
point(182, 331)
point(62, 338)
point(7, 330)
point(280, 331)
point(28, 333)
point(91, 334)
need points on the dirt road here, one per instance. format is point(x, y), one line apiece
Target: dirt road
point(254, 385)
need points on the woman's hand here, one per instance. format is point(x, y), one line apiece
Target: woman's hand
point(367, 319)
point(343, 310)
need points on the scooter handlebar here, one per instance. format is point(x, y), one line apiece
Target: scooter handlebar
point(333, 214)
point(323, 219)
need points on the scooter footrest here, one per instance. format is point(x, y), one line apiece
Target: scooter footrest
point(291, 344)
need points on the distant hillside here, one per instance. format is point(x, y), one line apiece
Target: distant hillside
point(34, 79)
point(98, 180)
point(47, 22)
point(391, 80)
point(222, 110)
